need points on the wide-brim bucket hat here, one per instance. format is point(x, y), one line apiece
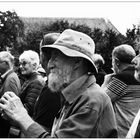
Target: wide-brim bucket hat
point(74, 44)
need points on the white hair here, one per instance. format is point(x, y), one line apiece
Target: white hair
point(30, 56)
point(7, 57)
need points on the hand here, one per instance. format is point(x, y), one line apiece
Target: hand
point(12, 106)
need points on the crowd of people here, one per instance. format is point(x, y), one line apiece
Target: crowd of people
point(64, 92)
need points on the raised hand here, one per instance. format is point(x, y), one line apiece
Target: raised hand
point(11, 105)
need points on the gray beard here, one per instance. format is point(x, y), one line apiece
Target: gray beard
point(56, 83)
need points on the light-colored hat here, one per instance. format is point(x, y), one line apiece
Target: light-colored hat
point(74, 44)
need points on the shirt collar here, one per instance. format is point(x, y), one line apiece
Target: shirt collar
point(71, 92)
point(4, 75)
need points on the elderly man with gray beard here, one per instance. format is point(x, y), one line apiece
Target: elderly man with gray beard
point(87, 111)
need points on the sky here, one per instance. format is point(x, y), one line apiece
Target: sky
point(122, 14)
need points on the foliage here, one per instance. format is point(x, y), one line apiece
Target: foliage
point(11, 30)
point(105, 41)
point(58, 26)
point(32, 40)
point(131, 35)
point(16, 36)
point(81, 28)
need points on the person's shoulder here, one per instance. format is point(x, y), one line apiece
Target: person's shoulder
point(96, 98)
point(38, 80)
point(12, 75)
point(97, 93)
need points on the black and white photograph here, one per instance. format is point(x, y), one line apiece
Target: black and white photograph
point(70, 69)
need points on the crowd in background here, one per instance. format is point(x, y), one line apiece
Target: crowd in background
point(64, 92)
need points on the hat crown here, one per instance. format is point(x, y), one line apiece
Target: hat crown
point(77, 41)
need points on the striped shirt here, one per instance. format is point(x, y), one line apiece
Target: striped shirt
point(124, 92)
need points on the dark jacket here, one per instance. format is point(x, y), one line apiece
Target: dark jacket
point(100, 76)
point(46, 108)
point(10, 82)
point(124, 91)
point(87, 113)
point(31, 89)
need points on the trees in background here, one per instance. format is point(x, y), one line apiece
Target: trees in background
point(16, 37)
point(11, 31)
point(133, 37)
point(105, 41)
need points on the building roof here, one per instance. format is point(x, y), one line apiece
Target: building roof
point(101, 23)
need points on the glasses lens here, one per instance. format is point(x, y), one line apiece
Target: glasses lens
point(2, 62)
point(23, 63)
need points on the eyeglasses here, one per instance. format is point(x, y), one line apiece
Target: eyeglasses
point(2, 62)
point(23, 63)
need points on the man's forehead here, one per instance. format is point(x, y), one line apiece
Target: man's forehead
point(56, 51)
point(52, 51)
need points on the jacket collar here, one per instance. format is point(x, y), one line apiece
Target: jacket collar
point(6, 73)
point(4, 76)
point(71, 92)
point(31, 75)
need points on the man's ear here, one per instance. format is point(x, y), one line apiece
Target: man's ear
point(77, 63)
point(117, 61)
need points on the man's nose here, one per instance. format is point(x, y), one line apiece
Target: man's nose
point(134, 61)
point(50, 64)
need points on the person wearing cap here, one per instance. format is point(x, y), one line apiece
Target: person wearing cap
point(48, 39)
point(87, 111)
point(123, 88)
point(47, 104)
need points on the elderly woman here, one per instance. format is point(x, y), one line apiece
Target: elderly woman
point(31, 88)
point(29, 63)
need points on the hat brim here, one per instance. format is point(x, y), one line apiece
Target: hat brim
point(69, 52)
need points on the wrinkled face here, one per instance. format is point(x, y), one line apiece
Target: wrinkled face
point(136, 62)
point(60, 67)
point(26, 67)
